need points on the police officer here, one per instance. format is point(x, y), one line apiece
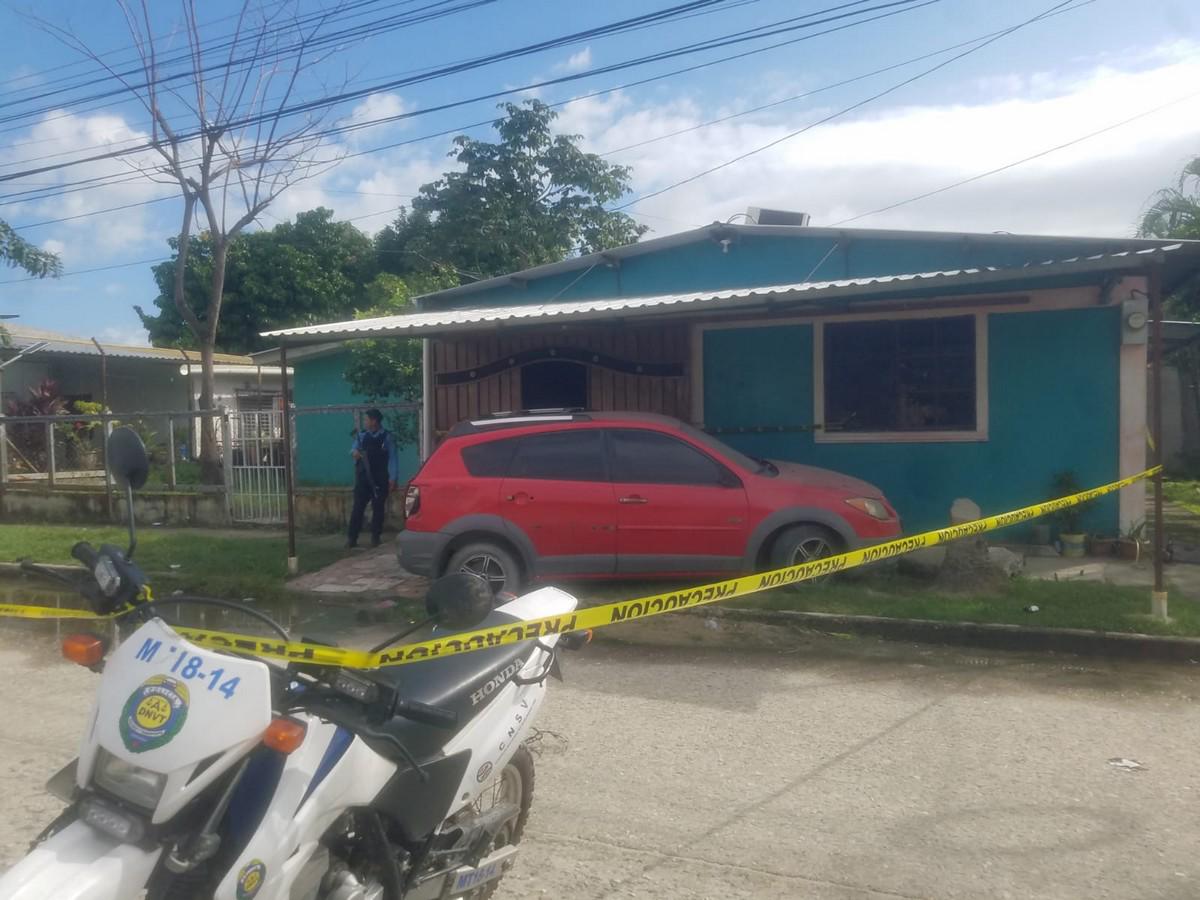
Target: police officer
point(376, 467)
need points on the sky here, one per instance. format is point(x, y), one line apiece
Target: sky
point(845, 136)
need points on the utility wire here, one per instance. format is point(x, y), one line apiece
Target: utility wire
point(844, 111)
point(358, 94)
point(818, 90)
point(1020, 162)
point(38, 194)
point(460, 128)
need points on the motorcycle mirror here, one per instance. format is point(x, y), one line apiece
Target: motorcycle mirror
point(127, 459)
point(130, 467)
point(459, 602)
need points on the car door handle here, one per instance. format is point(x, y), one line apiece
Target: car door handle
point(633, 498)
point(520, 497)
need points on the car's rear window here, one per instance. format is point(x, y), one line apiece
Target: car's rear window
point(491, 459)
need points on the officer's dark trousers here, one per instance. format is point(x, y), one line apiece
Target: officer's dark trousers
point(363, 494)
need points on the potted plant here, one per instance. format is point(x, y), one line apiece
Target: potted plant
point(1130, 544)
point(79, 437)
point(1069, 520)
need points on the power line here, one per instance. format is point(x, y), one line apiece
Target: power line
point(126, 265)
point(827, 87)
point(360, 93)
point(234, 65)
point(1020, 162)
point(845, 110)
point(577, 99)
point(619, 26)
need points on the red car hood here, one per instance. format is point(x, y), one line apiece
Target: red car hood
point(826, 478)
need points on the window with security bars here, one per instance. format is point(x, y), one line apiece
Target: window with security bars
point(906, 375)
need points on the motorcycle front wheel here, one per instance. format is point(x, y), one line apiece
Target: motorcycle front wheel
point(512, 784)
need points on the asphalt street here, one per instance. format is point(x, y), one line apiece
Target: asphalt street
point(825, 768)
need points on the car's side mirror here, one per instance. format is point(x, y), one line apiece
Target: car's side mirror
point(459, 602)
point(129, 466)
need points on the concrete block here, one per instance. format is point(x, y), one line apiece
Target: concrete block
point(964, 510)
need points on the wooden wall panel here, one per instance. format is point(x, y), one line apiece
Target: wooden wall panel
point(607, 389)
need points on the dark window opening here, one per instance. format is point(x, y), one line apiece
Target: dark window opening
point(907, 375)
point(491, 459)
point(645, 457)
point(561, 456)
point(554, 384)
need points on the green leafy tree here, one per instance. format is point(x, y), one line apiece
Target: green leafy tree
point(18, 253)
point(532, 197)
point(389, 369)
point(1174, 212)
point(297, 273)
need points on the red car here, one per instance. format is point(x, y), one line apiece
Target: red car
point(622, 495)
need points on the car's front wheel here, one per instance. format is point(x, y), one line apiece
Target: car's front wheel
point(803, 543)
point(491, 562)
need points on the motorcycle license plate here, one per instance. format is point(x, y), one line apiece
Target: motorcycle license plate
point(489, 869)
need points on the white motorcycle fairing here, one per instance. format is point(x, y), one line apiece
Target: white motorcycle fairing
point(79, 863)
point(335, 770)
point(167, 706)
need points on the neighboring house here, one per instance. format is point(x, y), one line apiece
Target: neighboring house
point(936, 365)
point(140, 379)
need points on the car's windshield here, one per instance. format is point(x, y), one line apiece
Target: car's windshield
point(749, 463)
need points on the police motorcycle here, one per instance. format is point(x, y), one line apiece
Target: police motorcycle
point(213, 774)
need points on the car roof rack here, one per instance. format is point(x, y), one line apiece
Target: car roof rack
point(518, 418)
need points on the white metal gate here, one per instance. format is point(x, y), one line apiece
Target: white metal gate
point(258, 485)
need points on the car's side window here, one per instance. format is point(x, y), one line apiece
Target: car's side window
point(561, 456)
point(647, 457)
point(490, 459)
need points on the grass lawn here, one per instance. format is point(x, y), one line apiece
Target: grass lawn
point(1185, 493)
point(1061, 604)
point(217, 564)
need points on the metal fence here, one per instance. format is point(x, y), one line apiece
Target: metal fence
point(59, 451)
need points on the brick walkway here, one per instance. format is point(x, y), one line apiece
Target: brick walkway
point(366, 574)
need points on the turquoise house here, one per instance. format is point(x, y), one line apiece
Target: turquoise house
point(327, 409)
point(936, 365)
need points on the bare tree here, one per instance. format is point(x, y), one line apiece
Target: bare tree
point(223, 134)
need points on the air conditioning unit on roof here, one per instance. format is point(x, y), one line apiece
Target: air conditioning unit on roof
point(761, 216)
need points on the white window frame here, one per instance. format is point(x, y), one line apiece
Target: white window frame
point(979, 433)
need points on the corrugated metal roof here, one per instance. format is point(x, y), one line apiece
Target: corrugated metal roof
point(719, 230)
point(607, 308)
point(60, 344)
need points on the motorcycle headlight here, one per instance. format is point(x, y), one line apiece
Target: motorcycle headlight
point(107, 576)
point(128, 782)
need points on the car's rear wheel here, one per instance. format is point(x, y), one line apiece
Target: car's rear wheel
point(491, 562)
point(804, 543)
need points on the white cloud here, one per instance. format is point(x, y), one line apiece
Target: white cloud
point(380, 106)
point(61, 137)
point(53, 245)
point(576, 62)
point(855, 165)
point(133, 336)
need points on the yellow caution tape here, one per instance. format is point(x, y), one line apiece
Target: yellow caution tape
point(606, 614)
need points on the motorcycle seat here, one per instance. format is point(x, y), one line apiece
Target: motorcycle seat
point(465, 683)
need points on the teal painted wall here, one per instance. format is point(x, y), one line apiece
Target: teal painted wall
point(1053, 382)
point(755, 261)
point(323, 439)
